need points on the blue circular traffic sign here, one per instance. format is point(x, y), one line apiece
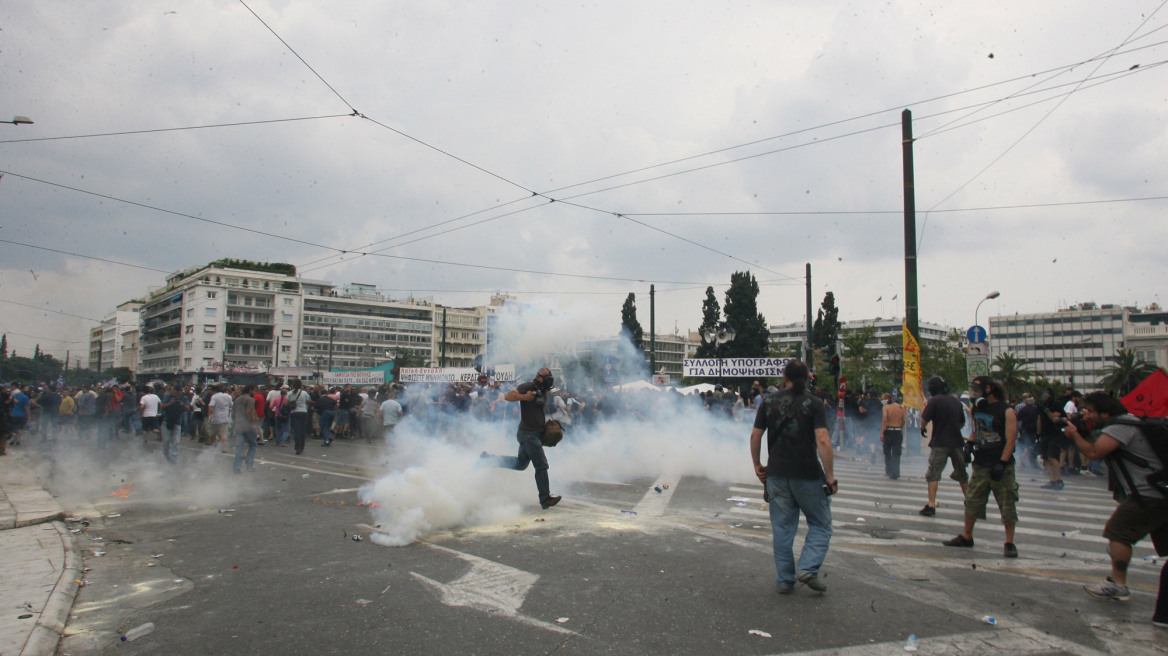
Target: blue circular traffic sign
point(976, 334)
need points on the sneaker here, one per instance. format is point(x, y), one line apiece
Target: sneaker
point(1010, 551)
point(929, 511)
point(786, 588)
point(549, 502)
point(812, 581)
point(959, 541)
point(1053, 485)
point(1109, 589)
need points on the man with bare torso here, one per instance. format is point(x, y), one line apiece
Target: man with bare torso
point(892, 435)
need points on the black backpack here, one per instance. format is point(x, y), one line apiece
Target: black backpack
point(1155, 430)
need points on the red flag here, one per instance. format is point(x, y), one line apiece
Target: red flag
point(1149, 398)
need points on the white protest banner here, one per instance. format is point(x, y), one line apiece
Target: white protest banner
point(353, 377)
point(735, 367)
point(438, 375)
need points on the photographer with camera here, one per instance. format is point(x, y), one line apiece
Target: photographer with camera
point(1141, 491)
point(533, 399)
point(995, 431)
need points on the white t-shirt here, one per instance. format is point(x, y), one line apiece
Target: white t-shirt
point(391, 412)
point(149, 404)
point(221, 408)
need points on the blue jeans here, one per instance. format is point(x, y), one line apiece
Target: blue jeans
point(251, 439)
point(788, 497)
point(171, 437)
point(326, 423)
point(282, 430)
point(530, 452)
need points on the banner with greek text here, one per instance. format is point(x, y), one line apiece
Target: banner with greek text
point(914, 396)
point(353, 377)
point(734, 367)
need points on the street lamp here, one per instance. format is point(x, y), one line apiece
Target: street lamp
point(719, 337)
point(989, 296)
point(19, 120)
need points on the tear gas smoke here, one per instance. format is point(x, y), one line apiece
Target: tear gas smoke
point(435, 479)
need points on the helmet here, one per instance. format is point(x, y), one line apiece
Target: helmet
point(937, 385)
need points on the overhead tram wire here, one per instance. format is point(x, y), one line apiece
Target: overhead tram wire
point(868, 212)
point(178, 129)
point(88, 257)
point(171, 212)
point(44, 309)
point(842, 121)
point(1037, 123)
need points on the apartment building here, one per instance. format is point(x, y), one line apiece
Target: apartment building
point(460, 336)
point(357, 327)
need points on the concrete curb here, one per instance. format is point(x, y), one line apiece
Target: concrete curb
point(46, 635)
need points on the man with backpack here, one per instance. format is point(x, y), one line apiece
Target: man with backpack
point(1134, 451)
point(798, 477)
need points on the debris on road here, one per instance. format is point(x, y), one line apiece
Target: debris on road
point(761, 634)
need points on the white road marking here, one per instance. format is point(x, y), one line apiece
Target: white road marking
point(490, 587)
point(654, 503)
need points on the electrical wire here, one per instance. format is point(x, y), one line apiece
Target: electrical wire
point(1037, 123)
point(44, 309)
point(178, 129)
point(88, 257)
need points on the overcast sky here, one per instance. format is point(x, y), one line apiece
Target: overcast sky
point(615, 144)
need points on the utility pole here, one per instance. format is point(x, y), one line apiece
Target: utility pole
point(442, 360)
point(330, 358)
point(910, 228)
point(652, 331)
point(807, 345)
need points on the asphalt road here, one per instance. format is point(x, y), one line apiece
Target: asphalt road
point(690, 573)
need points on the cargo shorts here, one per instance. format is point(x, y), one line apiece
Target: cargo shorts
point(939, 455)
point(1005, 493)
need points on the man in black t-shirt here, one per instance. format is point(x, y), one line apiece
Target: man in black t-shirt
point(995, 432)
point(798, 476)
point(948, 417)
point(532, 398)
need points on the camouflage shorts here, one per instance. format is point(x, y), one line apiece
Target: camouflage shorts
point(1005, 493)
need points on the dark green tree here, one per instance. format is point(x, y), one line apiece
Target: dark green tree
point(826, 329)
point(711, 316)
point(947, 360)
point(751, 337)
point(1125, 372)
point(630, 327)
point(1011, 372)
point(859, 359)
point(4, 346)
point(36, 354)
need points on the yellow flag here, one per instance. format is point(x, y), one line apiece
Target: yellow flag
point(914, 396)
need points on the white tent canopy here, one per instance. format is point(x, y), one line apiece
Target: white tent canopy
point(700, 387)
point(637, 385)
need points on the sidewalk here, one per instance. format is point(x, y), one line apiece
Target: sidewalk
point(42, 562)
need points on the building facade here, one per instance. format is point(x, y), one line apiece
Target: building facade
point(460, 336)
point(356, 327)
point(886, 342)
point(225, 317)
point(1071, 345)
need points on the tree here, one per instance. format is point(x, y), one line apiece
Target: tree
point(751, 336)
point(825, 332)
point(946, 360)
point(630, 327)
point(711, 315)
point(1012, 374)
point(4, 346)
point(1125, 372)
point(859, 359)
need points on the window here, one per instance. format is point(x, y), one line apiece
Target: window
point(189, 344)
point(208, 329)
point(286, 317)
point(208, 345)
point(189, 329)
point(186, 363)
point(210, 312)
point(212, 294)
point(286, 333)
point(286, 349)
point(287, 301)
point(190, 312)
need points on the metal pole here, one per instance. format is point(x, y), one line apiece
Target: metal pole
point(442, 362)
point(330, 358)
point(807, 346)
point(652, 332)
point(910, 228)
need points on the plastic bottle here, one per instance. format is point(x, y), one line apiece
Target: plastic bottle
point(137, 632)
point(911, 643)
point(990, 619)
